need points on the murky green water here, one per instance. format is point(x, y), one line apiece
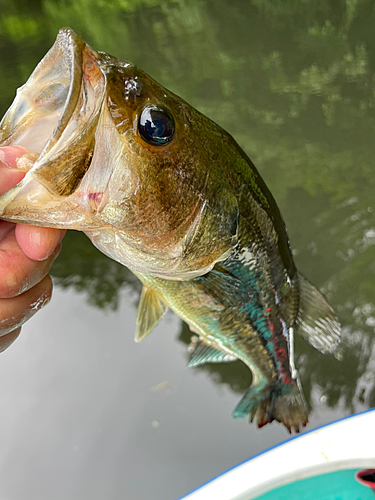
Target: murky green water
point(85, 412)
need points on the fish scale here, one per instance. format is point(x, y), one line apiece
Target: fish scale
point(162, 189)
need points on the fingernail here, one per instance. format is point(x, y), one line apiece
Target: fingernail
point(8, 155)
point(2, 158)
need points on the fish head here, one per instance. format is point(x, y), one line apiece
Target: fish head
point(123, 159)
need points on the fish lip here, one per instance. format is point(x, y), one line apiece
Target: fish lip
point(51, 123)
point(72, 47)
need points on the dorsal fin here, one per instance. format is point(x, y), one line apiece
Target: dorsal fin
point(316, 322)
point(151, 309)
point(204, 353)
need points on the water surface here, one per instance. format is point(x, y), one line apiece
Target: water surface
point(86, 412)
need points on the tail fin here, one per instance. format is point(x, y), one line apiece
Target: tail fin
point(282, 402)
point(316, 321)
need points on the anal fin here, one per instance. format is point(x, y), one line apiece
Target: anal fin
point(205, 353)
point(151, 309)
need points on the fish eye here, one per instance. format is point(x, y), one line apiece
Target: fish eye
point(156, 126)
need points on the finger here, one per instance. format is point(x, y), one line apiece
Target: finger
point(5, 228)
point(8, 339)
point(9, 154)
point(18, 310)
point(18, 272)
point(9, 175)
point(38, 243)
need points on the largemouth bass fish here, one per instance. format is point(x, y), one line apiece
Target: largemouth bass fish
point(165, 191)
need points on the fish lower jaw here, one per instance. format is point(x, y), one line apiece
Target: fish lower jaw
point(168, 263)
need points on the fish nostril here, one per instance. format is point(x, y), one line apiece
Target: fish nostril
point(132, 88)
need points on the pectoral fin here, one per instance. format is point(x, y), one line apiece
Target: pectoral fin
point(151, 309)
point(204, 353)
point(316, 322)
point(222, 285)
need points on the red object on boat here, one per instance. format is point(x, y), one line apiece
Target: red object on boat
point(366, 477)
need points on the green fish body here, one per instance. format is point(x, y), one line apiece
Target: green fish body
point(165, 191)
point(248, 307)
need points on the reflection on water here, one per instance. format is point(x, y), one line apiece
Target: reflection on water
point(294, 82)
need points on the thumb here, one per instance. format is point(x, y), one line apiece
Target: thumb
point(9, 175)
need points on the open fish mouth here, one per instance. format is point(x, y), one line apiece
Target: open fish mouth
point(56, 112)
point(110, 157)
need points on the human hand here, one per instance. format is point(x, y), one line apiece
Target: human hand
point(26, 255)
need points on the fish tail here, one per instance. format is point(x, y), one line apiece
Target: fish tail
point(282, 402)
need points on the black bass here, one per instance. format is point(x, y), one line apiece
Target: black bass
point(165, 191)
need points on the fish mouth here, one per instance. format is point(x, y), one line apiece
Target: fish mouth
point(56, 112)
